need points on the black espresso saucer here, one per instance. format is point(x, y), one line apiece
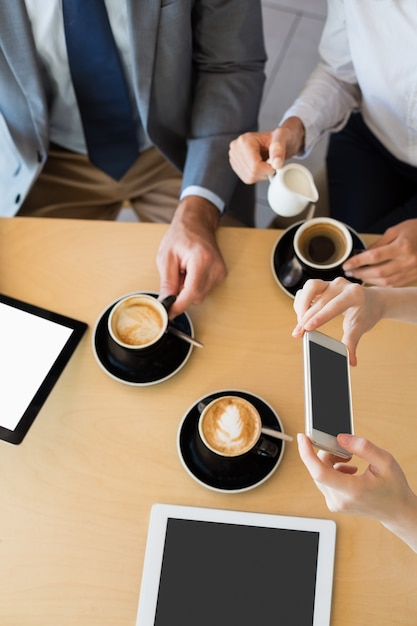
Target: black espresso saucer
point(283, 252)
point(257, 469)
point(152, 368)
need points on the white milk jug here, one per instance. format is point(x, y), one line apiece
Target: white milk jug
point(291, 189)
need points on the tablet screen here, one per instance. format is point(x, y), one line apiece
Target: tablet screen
point(246, 574)
point(221, 572)
point(35, 345)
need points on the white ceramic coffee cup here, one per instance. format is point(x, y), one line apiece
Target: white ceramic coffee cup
point(291, 190)
point(322, 243)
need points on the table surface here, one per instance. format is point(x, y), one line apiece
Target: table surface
point(75, 495)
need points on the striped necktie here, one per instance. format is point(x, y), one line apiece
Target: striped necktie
point(100, 87)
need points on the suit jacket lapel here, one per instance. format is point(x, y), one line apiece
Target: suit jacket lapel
point(18, 47)
point(144, 19)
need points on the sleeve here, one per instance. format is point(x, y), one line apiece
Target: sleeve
point(331, 93)
point(228, 60)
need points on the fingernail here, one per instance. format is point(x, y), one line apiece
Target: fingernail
point(297, 330)
point(344, 438)
point(276, 163)
point(348, 273)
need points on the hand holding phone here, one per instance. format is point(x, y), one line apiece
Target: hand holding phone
point(328, 403)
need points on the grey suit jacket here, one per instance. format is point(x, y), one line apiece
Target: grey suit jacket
point(198, 84)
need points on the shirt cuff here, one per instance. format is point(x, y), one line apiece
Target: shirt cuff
point(196, 190)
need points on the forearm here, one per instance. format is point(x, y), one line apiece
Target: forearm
point(397, 303)
point(324, 104)
point(404, 525)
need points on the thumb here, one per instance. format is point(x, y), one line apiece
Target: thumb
point(170, 285)
point(277, 149)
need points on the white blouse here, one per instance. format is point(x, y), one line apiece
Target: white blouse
point(368, 62)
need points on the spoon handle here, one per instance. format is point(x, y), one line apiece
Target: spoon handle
point(178, 333)
point(167, 303)
point(276, 433)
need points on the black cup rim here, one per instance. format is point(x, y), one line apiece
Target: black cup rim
point(283, 251)
point(131, 348)
point(325, 267)
point(151, 368)
point(240, 473)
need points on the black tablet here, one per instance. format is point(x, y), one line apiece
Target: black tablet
point(212, 566)
point(35, 346)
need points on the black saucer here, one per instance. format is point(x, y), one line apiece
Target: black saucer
point(283, 252)
point(152, 368)
point(258, 468)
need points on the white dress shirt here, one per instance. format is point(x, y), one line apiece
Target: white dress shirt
point(48, 30)
point(369, 63)
point(65, 123)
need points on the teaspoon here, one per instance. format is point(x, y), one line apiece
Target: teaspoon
point(167, 303)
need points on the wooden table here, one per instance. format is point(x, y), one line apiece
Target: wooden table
point(75, 496)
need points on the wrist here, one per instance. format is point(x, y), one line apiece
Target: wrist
point(192, 209)
point(399, 304)
point(404, 522)
point(381, 301)
point(297, 130)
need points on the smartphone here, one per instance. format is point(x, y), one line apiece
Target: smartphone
point(328, 400)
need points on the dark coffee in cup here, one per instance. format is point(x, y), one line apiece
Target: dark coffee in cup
point(230, 426)
point(322, 243)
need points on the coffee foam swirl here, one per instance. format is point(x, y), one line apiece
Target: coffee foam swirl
point(138, 324)
point(231, 426)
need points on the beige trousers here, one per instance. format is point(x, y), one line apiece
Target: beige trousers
point(69, 186)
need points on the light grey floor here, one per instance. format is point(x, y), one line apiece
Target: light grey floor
point(292, 31)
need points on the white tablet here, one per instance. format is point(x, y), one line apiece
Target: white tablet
point(211, 566)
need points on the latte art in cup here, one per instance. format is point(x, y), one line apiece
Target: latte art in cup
point(230, 426)
point(137, 321)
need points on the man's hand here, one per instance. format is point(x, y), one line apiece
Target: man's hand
point(189, 260)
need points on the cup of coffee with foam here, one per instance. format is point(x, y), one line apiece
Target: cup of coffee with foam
point(322, 244)
point(137, 325)
point(230, 428)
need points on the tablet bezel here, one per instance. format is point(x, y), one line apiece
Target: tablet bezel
point(161, 513)
point(78, 329)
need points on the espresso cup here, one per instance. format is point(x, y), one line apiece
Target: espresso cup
point(137, 321)
point(322, 243)
point(137, 326)
point(230, 427)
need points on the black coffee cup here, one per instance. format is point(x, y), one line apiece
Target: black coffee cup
point(137, 327)
point(229, 432)
point(322, 244)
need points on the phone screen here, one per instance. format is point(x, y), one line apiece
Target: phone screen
point(330, 393)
